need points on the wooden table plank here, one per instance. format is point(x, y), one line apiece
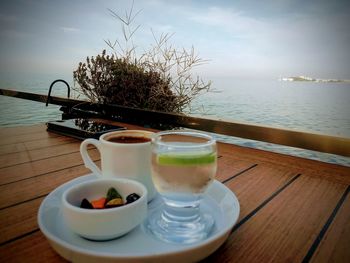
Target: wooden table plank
point(38, 154)
point(32, 169)
point(31, 248)
point(19, 220)
point(6, 140)
point(18, 130)
point(285, 228)
point(253, 187)
point(36, 144)
point(335, 246)
point(293, 163)
point(34, 187)
point(229, 167)
point(334, 176)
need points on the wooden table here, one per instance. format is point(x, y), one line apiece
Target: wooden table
point(292, 209)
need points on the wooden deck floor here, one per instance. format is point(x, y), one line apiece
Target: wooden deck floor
point(292, 209)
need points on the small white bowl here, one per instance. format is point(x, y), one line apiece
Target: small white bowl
point(103, 224)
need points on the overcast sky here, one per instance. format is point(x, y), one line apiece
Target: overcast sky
point(240, 38)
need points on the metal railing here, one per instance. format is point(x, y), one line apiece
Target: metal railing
point(299, 139)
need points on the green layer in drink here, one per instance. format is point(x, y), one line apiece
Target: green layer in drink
point(186, 158)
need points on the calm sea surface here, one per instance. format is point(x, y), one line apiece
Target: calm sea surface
point(306, 106)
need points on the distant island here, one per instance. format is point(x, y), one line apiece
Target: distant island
point(304, 78)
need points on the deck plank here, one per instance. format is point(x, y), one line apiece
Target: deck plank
point(34, 145)
point(335, 246)
point(12, 194)
point(256, 185)
point(6, 140)
point(38, 154)
point(18, 130)
point(229, 167)
point(18, 220)
point(294, 163)
point(285, 228)
point(32, 248)
point(32, 169)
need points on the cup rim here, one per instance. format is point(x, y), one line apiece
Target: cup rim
point(210, 139)
point(145, 133)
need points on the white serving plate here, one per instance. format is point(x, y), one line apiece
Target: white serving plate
point(138, 245)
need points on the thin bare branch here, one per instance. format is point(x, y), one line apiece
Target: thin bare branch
point(114, 14)
point(167, 70)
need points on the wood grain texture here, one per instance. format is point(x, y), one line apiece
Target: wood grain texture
point(335, 246)
point(256, 185)
point(36, 144)
point(229, 167)
point(18, 220)
point(285, 228)
point(328, 171)
point(32, 169)
point(6, 140)
point(34, 187)
point(32, 248)
point(10, 131)
point(8, 160)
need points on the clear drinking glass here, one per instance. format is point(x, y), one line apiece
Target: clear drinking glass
point(183, 166)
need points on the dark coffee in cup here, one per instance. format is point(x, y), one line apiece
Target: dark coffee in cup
point(128, 139)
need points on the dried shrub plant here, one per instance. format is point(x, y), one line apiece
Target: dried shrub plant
point(159, 79)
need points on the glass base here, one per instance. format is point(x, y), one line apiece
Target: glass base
point(184, 228)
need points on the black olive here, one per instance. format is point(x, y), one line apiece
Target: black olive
point(86, 204)
point(132, 198)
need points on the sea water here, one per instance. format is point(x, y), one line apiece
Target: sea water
point(306, 106)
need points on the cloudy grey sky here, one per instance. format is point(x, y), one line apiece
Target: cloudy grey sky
point(241, 38)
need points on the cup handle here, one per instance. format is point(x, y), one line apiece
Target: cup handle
point(86, 158)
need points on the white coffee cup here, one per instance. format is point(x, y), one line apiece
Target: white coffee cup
point(121, 159)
